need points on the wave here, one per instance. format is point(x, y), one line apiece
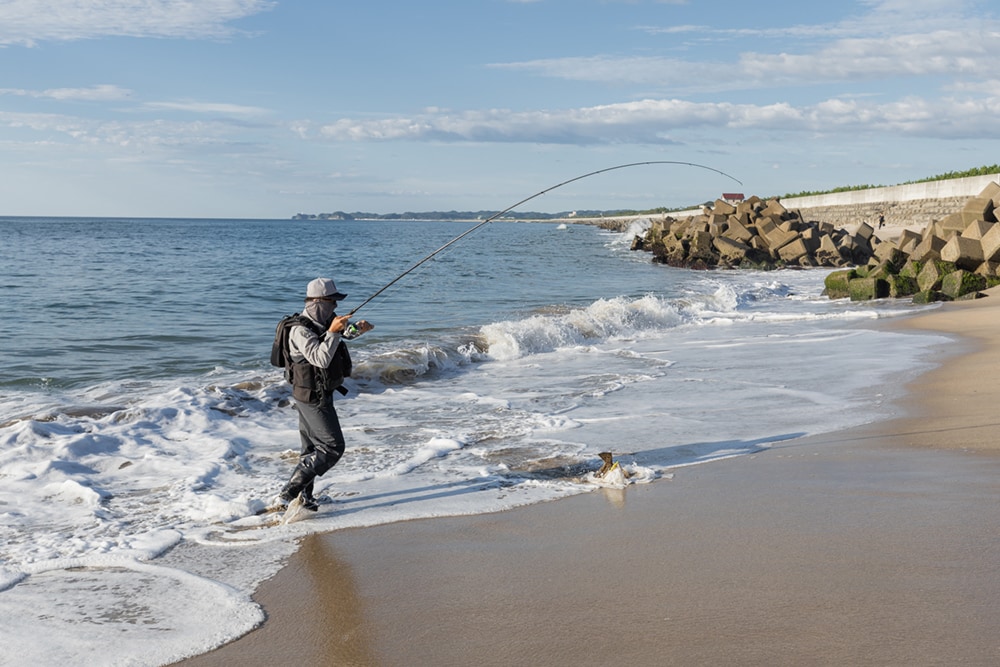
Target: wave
point(637, 227)
point(620, 318)
point(605, 320)
point(546, 330)
point(601, 321)
point(401, 365)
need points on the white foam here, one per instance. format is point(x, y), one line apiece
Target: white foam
point(132, 602)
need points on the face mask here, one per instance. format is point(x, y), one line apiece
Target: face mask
point(321, 311)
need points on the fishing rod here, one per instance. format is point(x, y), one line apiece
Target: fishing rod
point(523, 201)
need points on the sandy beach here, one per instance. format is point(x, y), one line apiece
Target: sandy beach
point(875, 546)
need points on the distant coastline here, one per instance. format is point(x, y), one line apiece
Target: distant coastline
point(458, 216)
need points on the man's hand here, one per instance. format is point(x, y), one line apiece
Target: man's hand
point(339, 324)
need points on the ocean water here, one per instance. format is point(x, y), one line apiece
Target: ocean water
point(142, 429)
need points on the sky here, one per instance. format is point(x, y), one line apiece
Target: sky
point(268, 108)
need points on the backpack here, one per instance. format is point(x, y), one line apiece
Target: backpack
point(279, 349)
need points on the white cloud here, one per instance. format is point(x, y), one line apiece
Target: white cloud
point(675, 29)
point(216, 108)
point(215, 135)
point(27, 22)
point(654, 121)
point(940, 52)
point(892, 39)
point(988, 87)
point(969, 53)
point(884, 19)
point(111, 93)
point(98, 93)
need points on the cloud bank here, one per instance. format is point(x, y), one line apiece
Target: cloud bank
point(971, 53)
point(654, 121)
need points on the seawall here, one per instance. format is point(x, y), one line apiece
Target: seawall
point(902, 205)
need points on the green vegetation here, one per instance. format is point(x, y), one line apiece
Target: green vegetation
point(837, 283)
point(842, 188)
point(959, 283)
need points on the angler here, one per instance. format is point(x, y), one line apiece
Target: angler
point(316, 361)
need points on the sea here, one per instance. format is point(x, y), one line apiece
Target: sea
point(143, 430)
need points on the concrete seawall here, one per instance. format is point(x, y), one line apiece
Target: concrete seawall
point(902, 205)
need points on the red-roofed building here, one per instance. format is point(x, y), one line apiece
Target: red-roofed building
point(733, 197)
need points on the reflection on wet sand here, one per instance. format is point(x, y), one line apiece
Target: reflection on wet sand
point(315, 617)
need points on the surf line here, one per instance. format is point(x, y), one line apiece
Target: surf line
point(523, 201)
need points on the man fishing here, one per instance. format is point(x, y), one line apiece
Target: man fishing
point(318, 361)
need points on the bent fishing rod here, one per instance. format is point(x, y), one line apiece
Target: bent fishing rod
point(523, 201)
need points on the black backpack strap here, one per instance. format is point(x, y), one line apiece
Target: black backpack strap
point(309, 324)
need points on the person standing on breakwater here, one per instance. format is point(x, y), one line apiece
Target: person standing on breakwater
point(318, 362)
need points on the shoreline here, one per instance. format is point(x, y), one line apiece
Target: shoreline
point(875, 545)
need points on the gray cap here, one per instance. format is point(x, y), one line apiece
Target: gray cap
point(323, 287)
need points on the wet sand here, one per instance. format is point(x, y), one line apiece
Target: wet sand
point(874, 546)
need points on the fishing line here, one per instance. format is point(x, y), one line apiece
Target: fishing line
point(525, 200)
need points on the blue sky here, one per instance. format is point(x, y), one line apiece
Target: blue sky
point(266, 108)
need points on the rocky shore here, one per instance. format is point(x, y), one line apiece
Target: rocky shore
point(951, 258)
point(753, 234)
